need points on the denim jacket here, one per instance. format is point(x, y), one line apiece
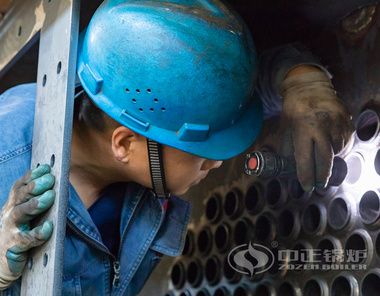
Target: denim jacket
point(146, 229)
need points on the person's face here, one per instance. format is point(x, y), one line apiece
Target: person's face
point(183, 170)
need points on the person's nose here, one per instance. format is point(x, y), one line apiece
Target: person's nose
point(211, 164)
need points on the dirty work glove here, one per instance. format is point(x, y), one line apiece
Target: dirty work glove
point(315, 126)
point(30, 196)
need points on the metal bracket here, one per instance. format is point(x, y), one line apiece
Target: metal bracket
point(52, 134)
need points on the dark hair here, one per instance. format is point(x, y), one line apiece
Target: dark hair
point(86, 112)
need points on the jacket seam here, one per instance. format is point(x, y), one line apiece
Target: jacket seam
point(15, 153)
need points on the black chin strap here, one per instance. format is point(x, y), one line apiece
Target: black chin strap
point(157, 169)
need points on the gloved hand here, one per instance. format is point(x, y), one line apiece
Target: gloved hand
point(314, 126)
point(29, 197)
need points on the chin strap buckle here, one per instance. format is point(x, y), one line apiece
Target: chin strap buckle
point(156, 166)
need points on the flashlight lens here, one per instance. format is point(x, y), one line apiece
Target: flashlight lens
point(252, 163)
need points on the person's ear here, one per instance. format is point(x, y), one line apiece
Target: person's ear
point(121, 142)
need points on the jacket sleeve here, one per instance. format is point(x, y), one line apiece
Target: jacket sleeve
point(272, 68)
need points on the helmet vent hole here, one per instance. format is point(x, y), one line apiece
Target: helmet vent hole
point(163, 109)
point(141, 109)
point(134, 100)
point(156, 100)
point(137, 90)
point(127, 90)
point(151, 109)
point(148, 90)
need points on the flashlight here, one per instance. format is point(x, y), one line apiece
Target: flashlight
point(266, 164)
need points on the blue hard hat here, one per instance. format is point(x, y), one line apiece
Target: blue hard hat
point(181, 73)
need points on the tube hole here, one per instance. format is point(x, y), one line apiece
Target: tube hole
point(194, 273)
point(371, 285)
point(185, 293)
point(264, 228)
point(203, 292)
point(312, 219)
point(287, 224)
point(286, 289)
point(262, 290)
point(312, 288)
point(221, 291)
point(377, 162)
point(338, 213)
point(231, 274)
point(212, 270)
point(342, 286)
point(354, 168)
point(213, 209)
point(356, 249)
point(254, 199)
point(302, 254)
point(204, 241)
point(367, 126)
point(295, 190)
point(369, 207)
point(188, 249)
point(232, 204)
point(222, 237)
point(242, 291)
point(178, 275)
point(275, 196)
point(377, 244)
point(243, 231)
point(326, 247)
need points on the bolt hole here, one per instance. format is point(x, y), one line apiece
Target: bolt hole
point(44, 80)
point(30, 263)
point(46, 259)
point(19, 30)
point(52, 161)
point(59, 67)
point(38, 164)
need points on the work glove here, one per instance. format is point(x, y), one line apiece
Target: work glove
point(29, 197)
point(314, 126)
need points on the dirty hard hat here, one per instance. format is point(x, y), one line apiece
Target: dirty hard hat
point(180, 72)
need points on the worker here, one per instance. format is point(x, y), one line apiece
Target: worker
point(166, 93)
